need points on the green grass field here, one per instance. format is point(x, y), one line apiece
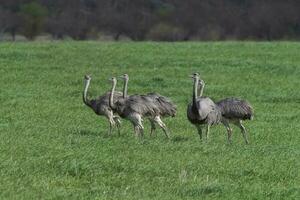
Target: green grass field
point(54, 147)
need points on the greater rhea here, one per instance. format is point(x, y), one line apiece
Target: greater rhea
point(100, 105)
point(202, 111)
point(165, 106)
point(134, 108)
point(235, 111)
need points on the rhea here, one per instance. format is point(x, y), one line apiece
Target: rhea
point(166, 108)
point(134, 108)
point(235, 111)
point(100, 105)
point(202, 111)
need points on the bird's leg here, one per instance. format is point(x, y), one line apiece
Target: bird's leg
point(162, 126)
point(110, 129)
point(111, 125)
point(118, 123)
point(229, 130)
point(136, 131)
point(152, 122)
point(118, 127)
point(141, 127)
point(207, 131)
point(133, 119)
point(138, 126)
point(111, 122)
point(199, 128)
point(243, 130)
point(139, 131)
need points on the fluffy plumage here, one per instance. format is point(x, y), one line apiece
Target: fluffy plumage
point(228, 111)
point(205, 111)
point(166, 107)
point(202, 110)
point(134, 108)
point(136, 104)
point(100, 105)
point(234, 111)
point(152, 106)
point(234, 108)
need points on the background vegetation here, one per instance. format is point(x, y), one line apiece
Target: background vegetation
point(54, 147)
point(168, 20)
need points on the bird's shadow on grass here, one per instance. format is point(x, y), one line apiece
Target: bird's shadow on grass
point(179, 139)
point(85, 132)
point(101, 134)
point(105, 135)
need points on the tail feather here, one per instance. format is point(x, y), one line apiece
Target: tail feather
point(166, 106)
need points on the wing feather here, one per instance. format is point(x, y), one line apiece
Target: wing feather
point(234, 108)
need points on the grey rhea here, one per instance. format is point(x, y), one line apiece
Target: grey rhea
point(100, 105)
point(134, 108)
point(234, 111)
point(164, 106)
point(202, 111)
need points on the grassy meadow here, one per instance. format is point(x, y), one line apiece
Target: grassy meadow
point(54, 147)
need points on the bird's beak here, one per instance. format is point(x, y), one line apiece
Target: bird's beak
point(191, 76)
point(120, 77)
point(87, 76)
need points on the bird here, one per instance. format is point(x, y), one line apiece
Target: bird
point(202, 111)
point(134, 108)
point(165, 106)
point(235, 111)
point(100, 105)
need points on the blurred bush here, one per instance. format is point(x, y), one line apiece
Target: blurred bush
point(165, 32)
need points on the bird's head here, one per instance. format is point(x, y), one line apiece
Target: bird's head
point(87, 77)
point(195, 75)
point(113, 80)
point(124, 77)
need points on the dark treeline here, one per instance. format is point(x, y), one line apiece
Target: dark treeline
point(167, 20)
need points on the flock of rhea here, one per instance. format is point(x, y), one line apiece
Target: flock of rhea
point(202, 111)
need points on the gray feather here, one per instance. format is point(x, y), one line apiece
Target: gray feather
point(136, 104)
point(101, 104)
point(234, 108)
point(166, 106)
point(203, 112)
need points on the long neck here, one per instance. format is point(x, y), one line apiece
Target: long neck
point(111, 97)
point(200, 90)
point(84, 94)
point(125, 88)
point(195, 90)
